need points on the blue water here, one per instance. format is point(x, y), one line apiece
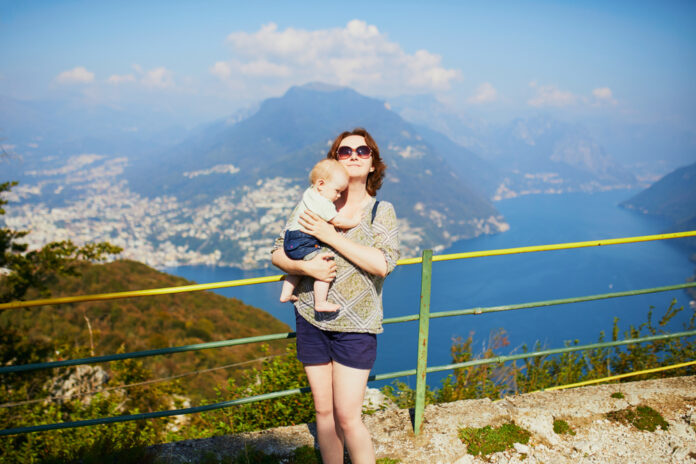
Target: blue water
point(534, 220)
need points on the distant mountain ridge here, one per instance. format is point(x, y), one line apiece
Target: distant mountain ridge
point(533, 155)
point(673, 197)
point(436, 199)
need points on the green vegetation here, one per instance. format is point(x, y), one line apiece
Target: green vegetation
point(276, 374)
point(497, 380)
point(561, 427)
point(641, 417)
point(617, 395)
point(388, 461)
point(135, 324)
point(487, 440)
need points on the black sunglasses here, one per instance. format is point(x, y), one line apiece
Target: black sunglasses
point(344, 152)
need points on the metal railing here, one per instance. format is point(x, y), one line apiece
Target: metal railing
point(424, 316)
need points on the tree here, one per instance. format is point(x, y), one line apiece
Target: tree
point(25, 270)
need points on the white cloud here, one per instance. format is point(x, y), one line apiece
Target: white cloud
point(358, 55)
point(550, 95)
point(604, 95)
point(159, 77)
point(221, 70)
point(78, 75)
point(116, 79)
point(264, 68)
point(484, 93)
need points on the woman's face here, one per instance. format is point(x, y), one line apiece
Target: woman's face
point(357, 166)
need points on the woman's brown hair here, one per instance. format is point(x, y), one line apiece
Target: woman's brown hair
point(374, 179)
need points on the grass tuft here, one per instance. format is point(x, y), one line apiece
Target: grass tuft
point(618, 395)
point(642, 417)
point(487, 440)
point(561, 427)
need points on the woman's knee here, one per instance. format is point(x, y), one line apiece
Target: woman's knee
point(324, 412)
point(348, 419)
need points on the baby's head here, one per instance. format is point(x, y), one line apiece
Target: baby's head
point(329, 178)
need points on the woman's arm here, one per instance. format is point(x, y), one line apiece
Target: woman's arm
point(368, 259)
point(321, 267)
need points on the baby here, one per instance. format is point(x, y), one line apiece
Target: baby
point(328, 178)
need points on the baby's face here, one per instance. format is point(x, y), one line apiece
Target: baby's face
point(332, 187)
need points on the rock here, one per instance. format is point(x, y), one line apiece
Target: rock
point(375, 400)
point(583, 446)
point(520, 448)
point(77, 381)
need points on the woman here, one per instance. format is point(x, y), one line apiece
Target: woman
point(339, 348)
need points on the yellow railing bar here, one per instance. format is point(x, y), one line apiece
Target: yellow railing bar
point(276, 278)
point(558, 246)
point(136, 293)
point(620, 376)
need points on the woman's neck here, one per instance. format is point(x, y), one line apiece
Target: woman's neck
point(354, 196)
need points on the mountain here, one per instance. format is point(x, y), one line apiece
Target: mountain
point(536, 154)
point(251, 173)
point(149, 322)
point(673, 197)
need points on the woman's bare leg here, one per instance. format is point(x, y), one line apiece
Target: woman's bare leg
point(321, 293)
point(330, 437)
point(349, 391)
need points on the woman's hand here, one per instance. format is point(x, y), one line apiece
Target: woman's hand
point(315, 226)
point(321, 267)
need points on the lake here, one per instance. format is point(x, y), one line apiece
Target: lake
point(460, 284)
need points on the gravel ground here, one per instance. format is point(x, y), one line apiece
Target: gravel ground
point(596, 439)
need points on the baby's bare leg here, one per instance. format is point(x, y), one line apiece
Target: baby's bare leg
point(321, 292)
point(289, 284)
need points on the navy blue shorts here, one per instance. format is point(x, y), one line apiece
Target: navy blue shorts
point(298, 244)
point(316, 346)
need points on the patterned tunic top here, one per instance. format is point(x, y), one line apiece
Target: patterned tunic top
point(359, 293)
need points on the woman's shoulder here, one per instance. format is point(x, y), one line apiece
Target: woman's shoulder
point(384, 206)
point(383, 211)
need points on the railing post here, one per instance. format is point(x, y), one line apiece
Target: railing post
point(423, 329)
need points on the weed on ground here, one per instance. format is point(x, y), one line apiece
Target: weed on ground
point(561, 427)
point(642, 417)
point(487, 440)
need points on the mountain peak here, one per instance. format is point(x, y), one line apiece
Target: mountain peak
point(319, 87)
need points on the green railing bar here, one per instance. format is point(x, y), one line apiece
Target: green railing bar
point(153, 415)
point(266, 396)
point(143, 354)
point(580, 299)
point(534, 354)
point(423, 331)
point(394, 320)
point(536, 304)
point(262, 338)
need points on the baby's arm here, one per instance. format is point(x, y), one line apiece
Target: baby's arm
point(343, 222)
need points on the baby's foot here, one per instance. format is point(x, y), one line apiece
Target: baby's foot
point(326, 307)
point(286, 298)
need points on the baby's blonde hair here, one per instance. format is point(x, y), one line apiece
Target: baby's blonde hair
point(325, 169)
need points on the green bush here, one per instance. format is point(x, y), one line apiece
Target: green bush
point(497, 380)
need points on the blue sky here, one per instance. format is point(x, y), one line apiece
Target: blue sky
point(625, 61)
